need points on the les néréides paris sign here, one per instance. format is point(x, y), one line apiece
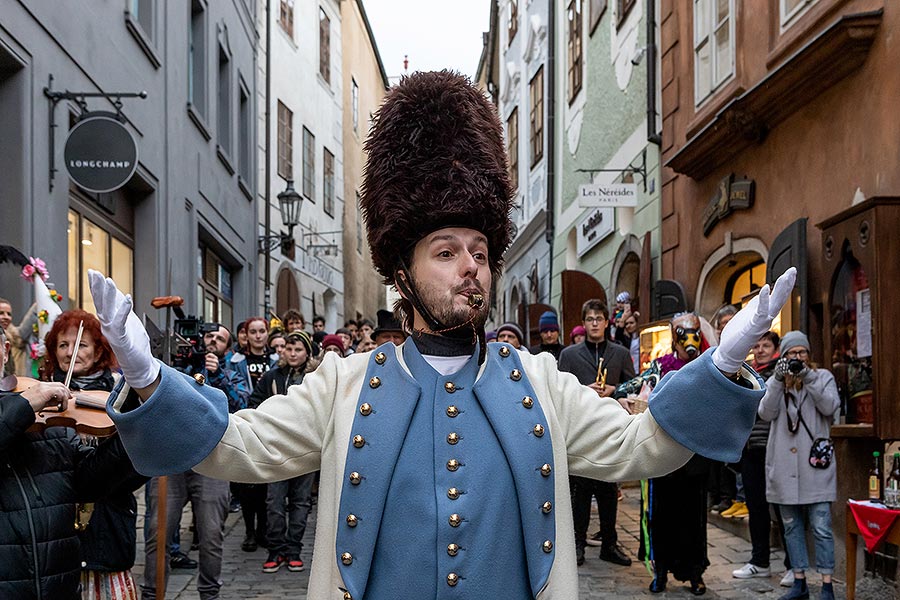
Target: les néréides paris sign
point(603, 198)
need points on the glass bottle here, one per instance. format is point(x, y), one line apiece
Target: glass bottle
point(892, 485)
point(875, 480)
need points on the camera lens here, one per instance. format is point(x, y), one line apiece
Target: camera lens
point(795, 365)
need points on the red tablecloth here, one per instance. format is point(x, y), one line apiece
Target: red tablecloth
point(874, 521)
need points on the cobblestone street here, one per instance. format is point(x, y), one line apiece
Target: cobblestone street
point(243, 578)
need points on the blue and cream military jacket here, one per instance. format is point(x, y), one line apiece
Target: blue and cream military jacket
point(438, 486)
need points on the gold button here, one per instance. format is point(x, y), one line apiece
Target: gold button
point(539, 430)
point(527, 401)
point(355, 478)
point(347, 558)
point(359, 441)
point(548, 546)
point(546, 507)
point(449, 387)
point(352, 520)
point(452, 464)
point(452, 579)
point(374, 382)
point(380, 358)
point(794, 450)
point(455, 520)
point(453, 493)
point(545, 470)
point(365, 409)
point(452, 438)
point(200, 378)
point(515, 375)
point(504, 351)
point(452, 411)
point(347, 596)
point(452, 549)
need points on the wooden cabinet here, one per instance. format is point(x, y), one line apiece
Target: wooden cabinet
point(861, 256)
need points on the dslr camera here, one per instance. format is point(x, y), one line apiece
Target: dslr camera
point(795, 365)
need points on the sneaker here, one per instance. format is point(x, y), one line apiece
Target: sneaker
point(721, 506)
point(750, 570)
point(727, 514)
point(787, 580)
point(615, 555)
point(294, 564)
point(742, 512)
point(273, 563)
point(180, 560)
point(594, 540)
point(234, 506)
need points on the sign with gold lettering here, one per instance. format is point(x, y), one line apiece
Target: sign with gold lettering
point(732, 194)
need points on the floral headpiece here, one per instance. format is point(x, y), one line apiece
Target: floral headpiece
point(35, 265)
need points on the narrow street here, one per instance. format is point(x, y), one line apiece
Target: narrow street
point(598, 580)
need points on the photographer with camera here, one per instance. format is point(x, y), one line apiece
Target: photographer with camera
point(209, 497)
point(800, 402)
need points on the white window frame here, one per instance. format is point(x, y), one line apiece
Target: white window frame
point(788, 18)
point(709, 39)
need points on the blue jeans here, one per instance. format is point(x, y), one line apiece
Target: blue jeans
point(286, 521)
point(795, 517)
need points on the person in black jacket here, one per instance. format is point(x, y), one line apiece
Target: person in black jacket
point(601, 365)
point(548, 325)
point(42, 477)
point(285, 527)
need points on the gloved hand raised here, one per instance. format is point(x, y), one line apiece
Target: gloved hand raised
point(124, 331)
point(746, 327)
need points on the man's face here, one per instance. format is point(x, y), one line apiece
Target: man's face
point(595, 325)
point(353, 331)
point(510, 338)
point(365, 331)
point(764, 350)
point(217, 341)
point(396, 337)
point(450, 265)
point(294, 354)
point(346, 339)
point(295, 325)
point(278, 344)
point(318, 325)
point(5, 315)
point(366, 344)
point(550, 337)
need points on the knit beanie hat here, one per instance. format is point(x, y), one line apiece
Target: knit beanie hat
point(333, 340)
point(548, 322)
point(623, 297)
point(302, 337)
point(578, 330)
point(792, 339)
point(514, 329)
point(490, 336)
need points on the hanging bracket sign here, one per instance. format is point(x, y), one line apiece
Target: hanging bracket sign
point(602, 195)
point(101, 154)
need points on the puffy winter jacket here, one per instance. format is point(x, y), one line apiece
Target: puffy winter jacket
point(42, 476)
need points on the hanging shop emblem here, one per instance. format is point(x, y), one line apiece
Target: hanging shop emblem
point(101, 154)
point(732, 194)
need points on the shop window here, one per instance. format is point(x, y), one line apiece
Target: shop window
point(214, 294)
point(575, 55)
point(536, 103)
point(512, 147)
point(324, 46)
point(851, 339)
point(745, 283)
point(92, 245)
point(713, 46)
point(791, 9)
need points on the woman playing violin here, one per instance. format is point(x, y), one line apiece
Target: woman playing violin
point(109, 536)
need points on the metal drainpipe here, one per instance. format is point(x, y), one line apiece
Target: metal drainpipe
point(550, 231)
point(267, 269)
point(652, 134)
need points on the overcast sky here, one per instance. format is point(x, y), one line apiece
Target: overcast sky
point(435, 34)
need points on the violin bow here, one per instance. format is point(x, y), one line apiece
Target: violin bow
point(74, 354)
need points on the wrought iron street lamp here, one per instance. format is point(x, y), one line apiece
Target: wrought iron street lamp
point(289, 202)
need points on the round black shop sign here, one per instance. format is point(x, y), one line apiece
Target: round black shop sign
point(101, 154)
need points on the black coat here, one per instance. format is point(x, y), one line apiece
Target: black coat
point(581, 360)
point(273, 382)
point(42, 477)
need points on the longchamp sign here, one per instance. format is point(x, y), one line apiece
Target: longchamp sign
point(101, 154)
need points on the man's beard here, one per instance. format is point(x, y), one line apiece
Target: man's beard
point(449, 314)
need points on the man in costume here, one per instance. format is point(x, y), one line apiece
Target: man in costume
point(444, 460)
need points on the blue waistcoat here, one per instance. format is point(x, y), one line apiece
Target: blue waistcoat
point(445, 494)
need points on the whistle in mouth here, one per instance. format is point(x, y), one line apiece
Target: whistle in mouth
point(476, 301)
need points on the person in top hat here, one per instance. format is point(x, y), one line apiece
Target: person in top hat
point(389, 329)
point(444, 460)
point(548, 325)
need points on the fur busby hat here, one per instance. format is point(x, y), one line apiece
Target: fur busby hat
point(436, 159)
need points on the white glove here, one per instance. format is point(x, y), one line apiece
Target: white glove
point(748, 325)
point(124, 331)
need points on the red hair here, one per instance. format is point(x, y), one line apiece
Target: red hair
point(246, 324)
point(70, 318)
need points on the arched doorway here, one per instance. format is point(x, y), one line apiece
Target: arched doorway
point(514, 300)
point(628, 277)
point(287, 294)
point(731, 281)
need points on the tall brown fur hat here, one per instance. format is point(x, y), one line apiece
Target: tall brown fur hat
point(436, 159)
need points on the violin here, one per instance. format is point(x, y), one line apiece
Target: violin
point(82, 414)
